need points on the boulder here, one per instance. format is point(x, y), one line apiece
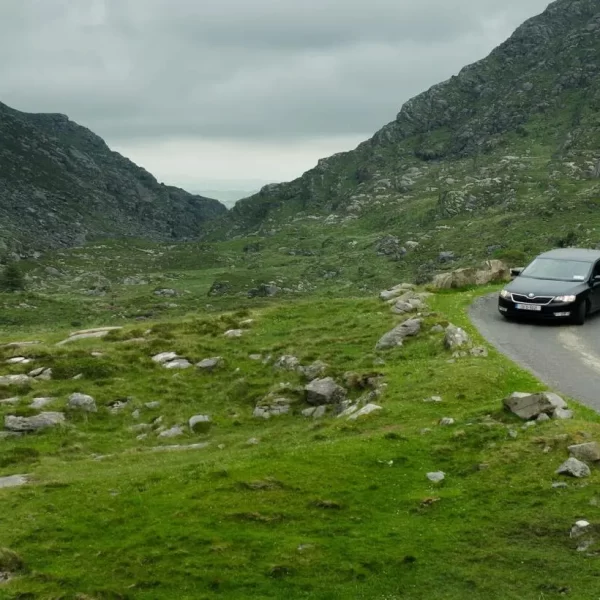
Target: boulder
point(276, 407)
point(164, 357)
point(528, 406)
point(396, 336)
point(200, 423)
point(589, 452)
point(316, 412)
point(315, 370)
point(396, 291)
point(493, 271)
point(574, 468)
point(365, 410)
point(287, 362)
point(324, 391)
point(8, 380)
point(561, 414)
point(210, 364)
point(178, 363)
point(42, 421)
point(46, 375)
point(82, 402)
point(456, 338)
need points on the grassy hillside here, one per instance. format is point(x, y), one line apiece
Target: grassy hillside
point(291, 506)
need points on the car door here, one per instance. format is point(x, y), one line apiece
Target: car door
point(595, 291)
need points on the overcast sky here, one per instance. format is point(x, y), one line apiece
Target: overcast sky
point(237, 92)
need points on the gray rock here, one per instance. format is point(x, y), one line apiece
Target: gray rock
point(10, 401)
point(559, 485)
point(26, 424)
point(178, 363)
point(36, 372)
point(9, 380)
point(234, 333)
point(396, 336)
point(543, 417)
point(317, 369)
point(447, 421)
point(164, 357)
point(82, 402)
point(13, 481)
point(528, 406)
point(324, 391)
point(200, 423)
point(562, 414)
point(589, 452)
point(46, 375)
point(456, 338)
point(316, 412)
point(171, 433)
point(479, 352)
point(85, 336)
point(580, 528)
point(364, 411)
point(209, 364)
point(445, 257)
point(41, 402)
point(433, 399)
point(253, 442)
point(152, 405)
point(437, 329)
point(256, 357)
point(135, 414)
point(287, 362)
point(574, 468)
point(555, 400)
point(396, 291)
point(18, 360)
point(140, 427)
point(166, 292)
point(436, 476)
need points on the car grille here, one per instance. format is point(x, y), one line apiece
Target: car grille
point(535, 300)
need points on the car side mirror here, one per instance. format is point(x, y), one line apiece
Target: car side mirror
point(516, 272)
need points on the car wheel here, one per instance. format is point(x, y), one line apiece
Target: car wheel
point(580, 314)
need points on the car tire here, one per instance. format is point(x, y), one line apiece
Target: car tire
point(580, 314)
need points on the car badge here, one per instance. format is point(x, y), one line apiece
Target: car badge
point(532, 295)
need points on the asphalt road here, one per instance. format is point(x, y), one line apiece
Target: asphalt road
point(565, 357)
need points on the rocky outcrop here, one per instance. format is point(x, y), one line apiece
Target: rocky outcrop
point(60, 185)
point(493, 271)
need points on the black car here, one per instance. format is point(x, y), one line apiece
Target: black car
point(560, 284)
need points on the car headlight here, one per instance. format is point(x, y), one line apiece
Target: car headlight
point(505, 294)
point(565, 298)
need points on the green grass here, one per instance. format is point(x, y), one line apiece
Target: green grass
point(328, 509)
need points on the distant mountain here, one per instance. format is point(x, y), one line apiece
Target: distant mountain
point(511, 144)
point(61, 185)
point(227, 197)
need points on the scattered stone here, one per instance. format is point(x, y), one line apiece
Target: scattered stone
point(444, 257)
point(436, 477)
point(167, 292)
point(396, 291)
point(542, 418)
point(433, 399)
point(589, 452)
point(37, 372)
point(41, 402)
point(528, 406)
point(513, 434)
point(46, 375)
point(171, 433)
point(437, 329)
point(493, 271)
point(396, 336)
point(579, 529)
point(529, 424)
point(13, 481)
point(562, 414)
point(276, 407)
point(178, 363)
point(456, 338)
point(560, 485)
point(209, 364)
point(9, 380)
point(555, 400)
point(316, 412)
point(256, 357)
point(287, 362)
point(164, 357)
point(141, 437)
point(365, 410)
point(426, 430)
point(317, 369)
point(10, 401)
point(26, 424)
point(200, 423)
point(97, 354)
point(18, 360)
point(152, 405)
point(135, 414)
point(82, 402)
point(86, 335)
point(447, 421)
point(234, 333)
point(180, 447)
point(253, 442)
point(141, 427)
point(20, 344)
point(574, 468)
point(77, 377)
point(324, 391)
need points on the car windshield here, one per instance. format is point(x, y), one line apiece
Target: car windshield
point(560, 270)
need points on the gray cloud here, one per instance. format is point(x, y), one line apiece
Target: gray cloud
point(265, 70)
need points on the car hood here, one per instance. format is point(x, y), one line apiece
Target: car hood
point(545, 287)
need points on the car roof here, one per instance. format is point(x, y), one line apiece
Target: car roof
point(579, 254)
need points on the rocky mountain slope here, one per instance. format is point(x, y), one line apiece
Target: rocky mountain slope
point(512, 137)
point(60, 184)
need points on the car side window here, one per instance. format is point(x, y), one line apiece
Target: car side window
point(596, 271)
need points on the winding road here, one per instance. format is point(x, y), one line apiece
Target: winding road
point(565, 357)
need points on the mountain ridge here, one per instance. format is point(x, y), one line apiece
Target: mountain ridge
point(61, 184)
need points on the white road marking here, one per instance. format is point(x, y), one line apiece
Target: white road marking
point(572, 342)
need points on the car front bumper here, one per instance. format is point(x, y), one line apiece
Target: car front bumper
point(554, 310)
